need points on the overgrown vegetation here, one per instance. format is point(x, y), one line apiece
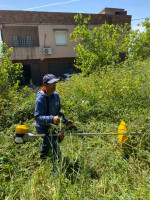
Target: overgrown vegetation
point(10, 96)
point(98, 47)
point(94, 167)
point(139, 45)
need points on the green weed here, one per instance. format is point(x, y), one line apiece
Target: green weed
point(93, 167)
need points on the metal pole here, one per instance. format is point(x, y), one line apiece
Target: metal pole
point(84, 134)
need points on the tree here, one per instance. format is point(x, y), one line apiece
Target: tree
point(139, 46)
point(99, 46)
point(9, 75)
point(10, 72)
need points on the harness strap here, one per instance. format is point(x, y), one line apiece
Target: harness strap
point(47, 111)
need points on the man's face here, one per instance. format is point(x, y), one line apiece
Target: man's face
point(50, 88)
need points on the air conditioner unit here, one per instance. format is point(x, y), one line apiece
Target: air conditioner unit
point(47, 51)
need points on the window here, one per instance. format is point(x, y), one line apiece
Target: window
point(21, 36)
point(61, 37)
point(22, 41)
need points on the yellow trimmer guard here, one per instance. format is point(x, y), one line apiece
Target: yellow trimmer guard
point(122, 130)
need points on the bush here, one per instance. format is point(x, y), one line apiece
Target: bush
point(139, 45)
point(99, 46)
point(19, 109)
point(118, 94)
point(10, 73)
point(16, 104)
point(94, 167)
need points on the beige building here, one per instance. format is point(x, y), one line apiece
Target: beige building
point(41, 40)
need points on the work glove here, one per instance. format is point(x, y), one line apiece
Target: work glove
point(69, 122)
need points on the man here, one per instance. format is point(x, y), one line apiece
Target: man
point(47, 109)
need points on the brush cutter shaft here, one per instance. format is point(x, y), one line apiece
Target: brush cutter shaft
point(22, 134)
point(22, 138)
point(37, 135)
point(88, 134)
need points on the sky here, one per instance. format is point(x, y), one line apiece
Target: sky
point(139, 9)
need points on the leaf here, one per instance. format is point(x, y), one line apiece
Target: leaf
point(148, 179)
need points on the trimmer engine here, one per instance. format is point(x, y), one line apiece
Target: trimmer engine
point(21, 134)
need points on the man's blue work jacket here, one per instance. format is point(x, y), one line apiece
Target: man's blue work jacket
point(43, 116)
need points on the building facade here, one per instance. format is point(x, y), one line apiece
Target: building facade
point(41, 40)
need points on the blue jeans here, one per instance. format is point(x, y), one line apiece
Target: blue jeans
point(49, 143)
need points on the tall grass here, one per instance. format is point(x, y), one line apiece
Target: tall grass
point(120, 94)
point(93, 167)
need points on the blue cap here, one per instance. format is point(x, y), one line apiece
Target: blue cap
point(49, 79)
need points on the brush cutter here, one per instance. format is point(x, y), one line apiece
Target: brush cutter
point(22, 134)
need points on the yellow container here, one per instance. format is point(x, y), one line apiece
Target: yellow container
point(21, 129)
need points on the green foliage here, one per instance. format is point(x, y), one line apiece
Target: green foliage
point(98, 46)
point(13, 109)
point(9, 75)
point(94, 167)
point(18, 110)
point(139, 46)
point(119, 94)
point(9, 72)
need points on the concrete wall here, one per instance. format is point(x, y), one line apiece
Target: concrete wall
point(46, 34)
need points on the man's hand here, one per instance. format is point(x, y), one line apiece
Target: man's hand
point(69, 122)
point(56, 120)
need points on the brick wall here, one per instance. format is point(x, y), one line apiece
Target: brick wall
point(31, 17)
